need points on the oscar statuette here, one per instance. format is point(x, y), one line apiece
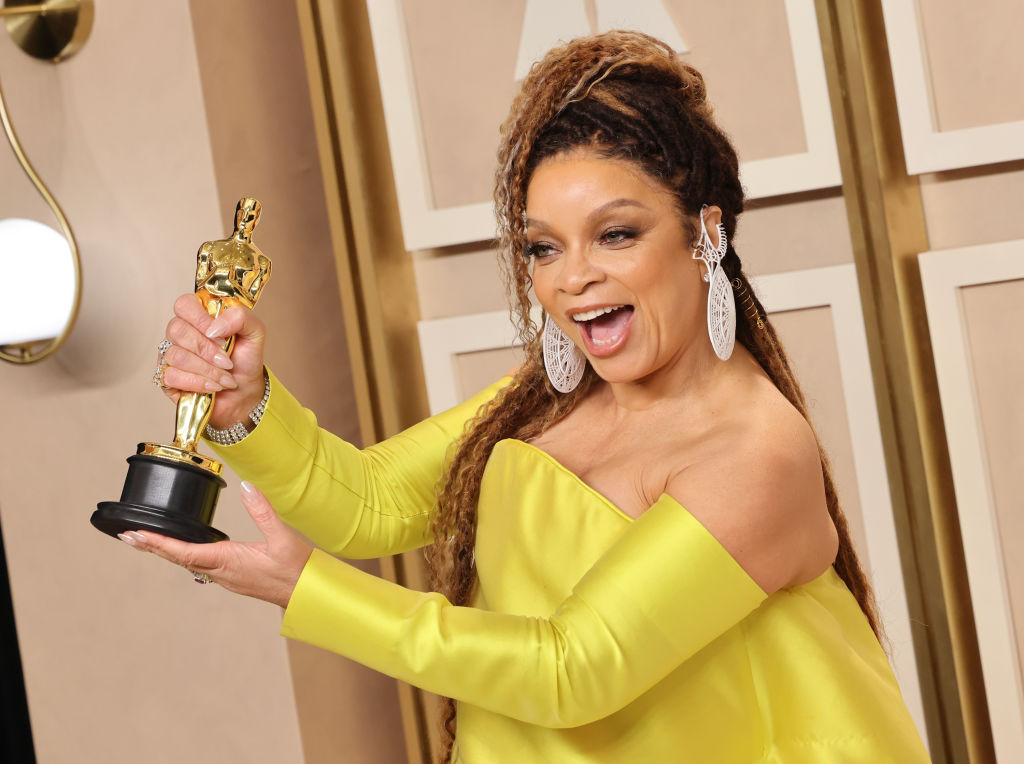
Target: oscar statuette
point(172, 489)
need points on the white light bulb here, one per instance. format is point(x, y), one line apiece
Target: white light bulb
point(37, 281)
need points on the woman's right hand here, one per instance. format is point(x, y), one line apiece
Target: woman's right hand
point(196, 362)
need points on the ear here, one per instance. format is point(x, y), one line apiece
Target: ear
point(712, 219)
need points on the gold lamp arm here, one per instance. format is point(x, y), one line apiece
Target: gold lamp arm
point(22, 10)
point(74, 20)
point(52, 30)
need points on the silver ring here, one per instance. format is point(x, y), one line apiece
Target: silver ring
point(158, 375)
point(201, 578)
point(161, 364)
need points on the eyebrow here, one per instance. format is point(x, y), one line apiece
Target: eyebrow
point(614, 204)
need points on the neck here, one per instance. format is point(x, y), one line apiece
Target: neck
point(691, 380)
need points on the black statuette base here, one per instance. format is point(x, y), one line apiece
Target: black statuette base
point(165, 496)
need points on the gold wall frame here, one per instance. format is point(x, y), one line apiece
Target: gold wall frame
point(887, 225)
point(375, 275)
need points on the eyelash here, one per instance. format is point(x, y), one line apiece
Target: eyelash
point(621, 234)
point(612, 236)
point(534, 250)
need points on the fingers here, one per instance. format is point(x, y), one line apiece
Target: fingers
point(190, 309)
point(237, 321)
point(188, 330)
point(188, 371)
point(266, 571)
point(194, 362)
point(203, 558)
point(198, 356)
point(259, 509)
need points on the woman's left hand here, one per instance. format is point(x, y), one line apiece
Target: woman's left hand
point(267, 571)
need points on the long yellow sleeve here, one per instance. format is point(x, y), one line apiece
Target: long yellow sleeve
point(351, 502)
point(661, 592)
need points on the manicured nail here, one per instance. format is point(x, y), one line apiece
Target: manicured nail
point(134, 539)
point(127, 539)
point(223, 362)
point(216, 329)
point(212, 386)
point(228, 381)
point(248, 488)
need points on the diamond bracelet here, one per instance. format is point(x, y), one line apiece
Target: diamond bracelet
point(236, 432)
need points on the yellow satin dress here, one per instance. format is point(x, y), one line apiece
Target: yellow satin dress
point(593, 637)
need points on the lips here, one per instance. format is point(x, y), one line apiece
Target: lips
point(604, 329)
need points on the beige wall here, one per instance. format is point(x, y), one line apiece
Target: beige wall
point(460, 124)
point(973, 53)
point(999, 377)
point(125, 658)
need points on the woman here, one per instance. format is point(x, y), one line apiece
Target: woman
point(637, 545)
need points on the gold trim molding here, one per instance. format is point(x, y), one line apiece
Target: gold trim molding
point(375, 272)
point(887, 226)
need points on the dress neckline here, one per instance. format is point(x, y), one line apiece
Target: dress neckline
point(576, 478)
point(605, 501)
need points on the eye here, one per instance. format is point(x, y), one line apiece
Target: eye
point(618, 236)
point(539, 250)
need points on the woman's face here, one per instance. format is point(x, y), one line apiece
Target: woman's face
point(612, 265)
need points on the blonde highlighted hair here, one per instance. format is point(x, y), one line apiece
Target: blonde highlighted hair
point(627, 96)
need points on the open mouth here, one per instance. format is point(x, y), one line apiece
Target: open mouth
point(603, 327)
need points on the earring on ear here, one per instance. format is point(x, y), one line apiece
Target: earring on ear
point(721, 302)
point(563, 361)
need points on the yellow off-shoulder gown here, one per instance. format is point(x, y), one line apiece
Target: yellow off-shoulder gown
point(593, 637)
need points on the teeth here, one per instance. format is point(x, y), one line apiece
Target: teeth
point(590, 315)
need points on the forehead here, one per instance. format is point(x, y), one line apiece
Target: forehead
point(585, 177)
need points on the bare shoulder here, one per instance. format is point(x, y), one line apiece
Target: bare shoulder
point(759, 490)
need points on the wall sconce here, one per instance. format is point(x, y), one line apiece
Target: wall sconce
point(33, 327)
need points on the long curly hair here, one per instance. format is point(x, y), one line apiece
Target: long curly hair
point(628, 96)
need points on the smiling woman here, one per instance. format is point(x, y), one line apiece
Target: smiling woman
point(606, 244)
point(642, 561)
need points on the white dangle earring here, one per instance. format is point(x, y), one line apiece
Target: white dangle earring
point(721, 303)
point(563, 361)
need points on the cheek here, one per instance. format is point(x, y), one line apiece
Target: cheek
point(541, 286)
point(676, 299)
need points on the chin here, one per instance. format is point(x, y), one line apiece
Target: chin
point(620, 373)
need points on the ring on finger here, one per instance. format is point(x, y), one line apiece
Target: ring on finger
point(161, 364)
point(201, 578)
point(158, 375)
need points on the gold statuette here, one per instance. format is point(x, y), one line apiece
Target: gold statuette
point(172, 489)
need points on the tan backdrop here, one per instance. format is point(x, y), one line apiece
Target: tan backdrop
point(148, 137)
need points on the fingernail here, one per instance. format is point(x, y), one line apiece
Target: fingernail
point(216, 329)
point(212, 386)
point(134, 539)
point(228, 381)
point(223, 361)
point(248, 488)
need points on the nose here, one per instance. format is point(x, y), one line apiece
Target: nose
point(577, 271)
